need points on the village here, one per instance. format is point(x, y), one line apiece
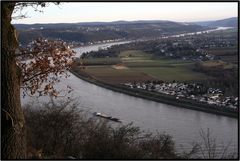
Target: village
point(193, 91)
point(191, 47)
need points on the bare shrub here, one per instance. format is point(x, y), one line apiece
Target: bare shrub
point(210, 149)
point(105, 142)
point(62, 131)
point(160, 146)
point(56, 128)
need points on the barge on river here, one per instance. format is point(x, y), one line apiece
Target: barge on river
point(107, 117)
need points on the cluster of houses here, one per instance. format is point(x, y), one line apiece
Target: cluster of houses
point(193, 47)
point(193, 91)
point(208, 41)
point(183, 49)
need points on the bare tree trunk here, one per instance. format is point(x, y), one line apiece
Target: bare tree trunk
point(13, 123)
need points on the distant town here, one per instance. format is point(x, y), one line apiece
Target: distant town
point(191, 91)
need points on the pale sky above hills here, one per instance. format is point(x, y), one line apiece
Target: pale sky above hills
point(129, 11)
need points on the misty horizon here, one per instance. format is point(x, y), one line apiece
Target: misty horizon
point(115, 21)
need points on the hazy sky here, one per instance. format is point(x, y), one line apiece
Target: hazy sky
point(114, 11)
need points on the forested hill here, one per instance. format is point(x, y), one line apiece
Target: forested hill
point(99, 31)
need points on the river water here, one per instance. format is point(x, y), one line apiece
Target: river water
point(183, 124)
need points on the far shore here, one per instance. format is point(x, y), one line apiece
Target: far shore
point(183, 34)
point(102, 43)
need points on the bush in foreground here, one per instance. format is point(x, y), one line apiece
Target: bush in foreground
point(61, 130)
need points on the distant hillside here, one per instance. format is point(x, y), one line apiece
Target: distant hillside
point(91, 24)
point(98, 31)
point(229, 22)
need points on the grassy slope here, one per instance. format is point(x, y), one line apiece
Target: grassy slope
point(141, 67)
point(116, 76)
point(161, 68)
point(172, 73)
point(101, 61)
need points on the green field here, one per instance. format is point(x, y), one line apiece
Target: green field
point(115, 76)
point(101, 61)
point(158, 62)
point(103, 71)
point(141, 66)
point(218, 64)
point(134, 54)
point(172, 73)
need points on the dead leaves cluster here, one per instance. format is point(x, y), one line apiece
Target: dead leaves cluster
point(41, 59)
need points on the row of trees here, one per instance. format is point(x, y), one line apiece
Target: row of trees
point(225, 79)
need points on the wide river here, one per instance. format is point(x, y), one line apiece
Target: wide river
point(183, 124)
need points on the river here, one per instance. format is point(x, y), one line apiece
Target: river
point(183, 124)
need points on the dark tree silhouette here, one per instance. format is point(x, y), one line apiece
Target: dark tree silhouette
point(45, 57)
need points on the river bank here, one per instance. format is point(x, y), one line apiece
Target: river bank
point(159, 97)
